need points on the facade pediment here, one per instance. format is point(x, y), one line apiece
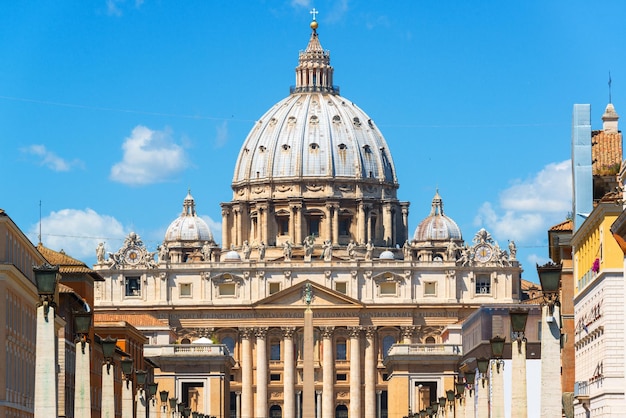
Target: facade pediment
point(322, 297)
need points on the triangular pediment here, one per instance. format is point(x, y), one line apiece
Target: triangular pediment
point(322, 297)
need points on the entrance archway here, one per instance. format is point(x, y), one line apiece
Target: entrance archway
point(341, 411)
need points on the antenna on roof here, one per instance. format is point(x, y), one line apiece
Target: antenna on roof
point(39, 221)
point(610, 87)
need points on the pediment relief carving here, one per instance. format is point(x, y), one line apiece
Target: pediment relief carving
point(388, 277)
point(322, 296)
point(226, 278)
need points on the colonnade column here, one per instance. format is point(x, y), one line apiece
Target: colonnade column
point(497, 388)
point(519, 404)
point(335, 236)
point(368, 223)
point(328, 222)
point(360, 223)
point(261, 372)
point(405, 221)
point(387, 224)
point(264, 222)
point(355, 372)
point(328, 394)
point(238, 404)
point(225, 227)
point(370, 372)
point(289, 373)
point(246, 372)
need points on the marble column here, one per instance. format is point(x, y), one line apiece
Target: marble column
point(370, 372)
point(46, 403)
point(141, 402)
point(469, 403)
point(379, 404)
point(328, 362)
point(127, 398)
point(289, 378)
point(298, 404)
point(328, 222)
point(360, 224)
point(261, 373)
point(335, 224)
point(318, 403)
point(308, 370)
point(387, 224)
point(355, 372)
point(238, 404)
point(225, 228)
point(108, 394)
point(482, 392)
point(246, 372)
point(82, 381)
point(551, 403)
point(497, 388)
point(298, 232)
point(519, 402)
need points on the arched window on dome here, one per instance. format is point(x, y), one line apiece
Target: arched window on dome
point(367, 149)
point(430, 340)
point(356, 122)
point(336, 119)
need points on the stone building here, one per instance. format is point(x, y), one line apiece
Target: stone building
point(315, 225)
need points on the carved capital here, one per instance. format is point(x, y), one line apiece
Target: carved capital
point(287, 274)
point(370, 332)
point(354, 332)
point(327, 332)
point(288, 332)
point(246, 333)
point(260, 332)
point(408, 331)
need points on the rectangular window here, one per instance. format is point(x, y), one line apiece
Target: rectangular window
point(342, 377)
point(314, 227)
point(430, 289)
point(483, 284)
point(388, 289)
point(275, 351)
point(275, 377)
point(344, 227)
point(227, 289)
point(133, 286)
point(274, 288)
point(341, 350)
point(283, 225)
point(341, 287)
point(185, 290)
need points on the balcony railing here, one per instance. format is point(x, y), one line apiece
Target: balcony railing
point(198, 350)
point(426, 349)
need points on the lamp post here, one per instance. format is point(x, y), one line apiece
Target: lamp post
point(497, 377)
point(82, 379)
point(173, 403)
point(519, 402)
point(482, 392)
point(46, 403)
point(141, 401)
point(470, 378)
point(550, 278)
point(450, 400)
point(164, 394)
point(127, 387)
point(459, 388)
point(108, 377)
point(442, 405)
point(151, 394)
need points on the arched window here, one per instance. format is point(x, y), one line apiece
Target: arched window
point(275, 412)
point(341, 411)
point(388, 341)
point(229, 343)
point(275, 350)
point(340, 347)
point(430, 340)
point(185, 341)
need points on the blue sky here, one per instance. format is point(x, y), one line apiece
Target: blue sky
point(111, 110)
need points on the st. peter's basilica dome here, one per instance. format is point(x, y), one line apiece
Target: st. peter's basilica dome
point(437, 226)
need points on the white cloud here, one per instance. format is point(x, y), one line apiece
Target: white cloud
point(78, 232)
point(149, 157)
point(221, 137)
point(530, 207)
point(112, 9)
point(215, 227)
point(50, 159)
point(301, 3)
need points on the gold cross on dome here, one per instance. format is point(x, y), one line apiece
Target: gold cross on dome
point(314, 12)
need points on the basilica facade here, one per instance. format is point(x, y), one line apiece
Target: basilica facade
point(314, 230)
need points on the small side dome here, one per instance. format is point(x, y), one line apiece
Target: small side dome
point(386, 255)
point(232, 255)
point(437, 226)
point(188, 226)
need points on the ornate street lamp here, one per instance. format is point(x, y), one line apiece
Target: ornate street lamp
point(108, 350)
point(186, 411)
point(46, 278)
point(173, 403)
point(519, 318)
point(140, 375)
point(450, 397)
point(550, 279)
point(483, 365)
point(497, 350)
point(127, 369)
point(164, 394)
point(82, 325)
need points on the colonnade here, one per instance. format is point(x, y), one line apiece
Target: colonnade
point(363, 395)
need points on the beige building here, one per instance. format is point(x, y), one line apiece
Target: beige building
point(314, 223)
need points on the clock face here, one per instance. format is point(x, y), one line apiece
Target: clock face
point(483, 253)
point(132, 256)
